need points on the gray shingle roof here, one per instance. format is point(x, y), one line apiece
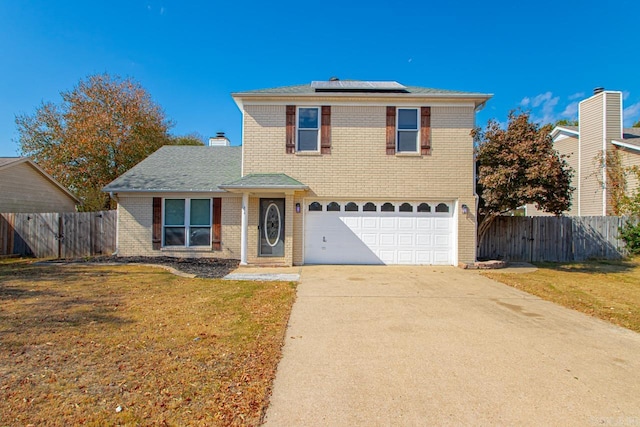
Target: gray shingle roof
point(307, 89)
point(182, 169)
point(631, 133)
point(265, 180)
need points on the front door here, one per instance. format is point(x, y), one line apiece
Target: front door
point(271, 227)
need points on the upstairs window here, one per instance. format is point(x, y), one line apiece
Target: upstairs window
point(407, 130)
point(308, 128)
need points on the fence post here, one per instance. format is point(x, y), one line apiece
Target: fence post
point(60, 235)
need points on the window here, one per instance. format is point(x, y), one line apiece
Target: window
point(407, 130)
point(387, 207)
point(308, 128)
point(369, 207)
point(315, 206)
point(351, 207)
point(187, 222)
point(333, 207)
point(442, 208)
point(424, 207)
point(406, 207)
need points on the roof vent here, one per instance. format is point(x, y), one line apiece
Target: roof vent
point(598, 90)
point(333, 79)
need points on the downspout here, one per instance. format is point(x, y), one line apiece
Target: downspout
point(115, 197)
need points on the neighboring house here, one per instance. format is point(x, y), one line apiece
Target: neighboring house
point(332, 172)
point(600, 129)
point(25, 187)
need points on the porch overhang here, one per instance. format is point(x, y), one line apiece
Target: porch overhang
point(265, 183)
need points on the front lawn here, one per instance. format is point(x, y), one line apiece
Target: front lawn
point(609, 290)
point(114, 345)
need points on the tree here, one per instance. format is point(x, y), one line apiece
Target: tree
point(189, 139)
point(102, 128)
point(566, 122)
point(518, 166)
point(636, 124)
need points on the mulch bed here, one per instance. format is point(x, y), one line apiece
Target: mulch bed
point(209, 268)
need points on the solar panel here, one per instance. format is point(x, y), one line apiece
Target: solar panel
point(356, 86)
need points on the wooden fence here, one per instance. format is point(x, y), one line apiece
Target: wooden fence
point(58, 235)
point(556, 239)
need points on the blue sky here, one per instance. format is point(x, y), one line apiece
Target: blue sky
point(543, 55)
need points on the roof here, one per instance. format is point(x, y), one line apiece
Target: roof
point(361, 89)
point(8, 162)
point(265, 181)
point(181, 169)
point(630, 139)
point(4, 161)
point(309, 89)
point(630, 136)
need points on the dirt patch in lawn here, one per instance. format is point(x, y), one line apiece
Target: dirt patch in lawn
point(133, 345)
point(609, 290)
point(210, 268)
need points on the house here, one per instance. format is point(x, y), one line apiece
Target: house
point(25, 187)
point(331, 172)
point(600, 129)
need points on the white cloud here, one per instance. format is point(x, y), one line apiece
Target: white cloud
point(631, 114)
point(625, 94)
point(525, 101)
point(571, 110)
point(576, 96)
point(544, 98)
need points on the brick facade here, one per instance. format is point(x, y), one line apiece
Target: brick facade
point(358, 167)
point(135, 222)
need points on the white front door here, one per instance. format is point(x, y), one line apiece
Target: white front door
point(393, 233)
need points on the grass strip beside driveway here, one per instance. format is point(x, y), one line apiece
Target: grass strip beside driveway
point(609, 290)
point(136, 345)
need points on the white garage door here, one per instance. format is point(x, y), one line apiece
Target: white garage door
point(379, 233)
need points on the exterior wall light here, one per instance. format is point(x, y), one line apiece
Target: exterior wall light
point(465, 209)
point(297, 207)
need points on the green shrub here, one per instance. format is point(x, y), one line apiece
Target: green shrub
point(630, 233)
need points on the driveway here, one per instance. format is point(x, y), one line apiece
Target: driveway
point(389, 346)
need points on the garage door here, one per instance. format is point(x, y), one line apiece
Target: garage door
point(379, 233)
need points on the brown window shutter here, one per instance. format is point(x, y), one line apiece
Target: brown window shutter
point(325, 130)
point(291, 129)
point(391, 130)
point(425, 131)
point(156, 231)
point(216, 236)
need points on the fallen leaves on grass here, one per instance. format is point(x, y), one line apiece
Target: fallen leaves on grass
point(136, 345)
point(609, 290)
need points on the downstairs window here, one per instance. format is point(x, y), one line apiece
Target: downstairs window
point(186, 222)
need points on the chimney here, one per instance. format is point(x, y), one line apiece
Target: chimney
point(219, 140)
point(598, 90)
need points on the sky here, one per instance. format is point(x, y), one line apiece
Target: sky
point(543, 56)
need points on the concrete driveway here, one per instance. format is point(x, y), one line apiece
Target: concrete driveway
point(389, 346)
